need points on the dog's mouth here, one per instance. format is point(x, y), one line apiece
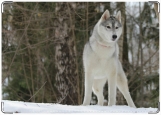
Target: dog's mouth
point(114, 39)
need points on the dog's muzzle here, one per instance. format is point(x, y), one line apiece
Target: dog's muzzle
point(114, 37)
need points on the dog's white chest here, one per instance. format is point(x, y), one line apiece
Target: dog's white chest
point(101, 61)
point(103, 68)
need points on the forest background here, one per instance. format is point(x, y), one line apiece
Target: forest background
point(42, 47)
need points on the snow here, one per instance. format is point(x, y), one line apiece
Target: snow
point(28, 107)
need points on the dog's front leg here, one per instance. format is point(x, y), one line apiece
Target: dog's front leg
point(112, 90)
point(88, 89)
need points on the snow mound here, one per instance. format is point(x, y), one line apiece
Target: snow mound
point(27, 107)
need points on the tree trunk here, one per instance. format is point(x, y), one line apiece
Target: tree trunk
point(67, 79)
point(156, 9)
point(121, 7)
point(125, 49)
point(141, 57)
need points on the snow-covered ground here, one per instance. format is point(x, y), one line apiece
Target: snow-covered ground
point(27, 107)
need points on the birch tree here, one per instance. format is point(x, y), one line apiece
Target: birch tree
point(67, 80)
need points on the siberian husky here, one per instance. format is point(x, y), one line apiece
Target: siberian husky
point(101, 63)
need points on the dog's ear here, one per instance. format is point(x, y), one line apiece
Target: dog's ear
point(118, 16)
point(105, 15)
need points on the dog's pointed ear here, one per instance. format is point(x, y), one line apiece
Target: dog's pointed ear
point(105, 15)
point(118, 16)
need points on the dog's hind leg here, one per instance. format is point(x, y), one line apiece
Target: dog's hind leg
point(98, 90)
point(122, 85)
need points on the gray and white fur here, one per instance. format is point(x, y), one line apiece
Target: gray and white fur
point(101, 63)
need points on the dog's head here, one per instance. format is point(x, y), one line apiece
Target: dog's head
point(110, 27)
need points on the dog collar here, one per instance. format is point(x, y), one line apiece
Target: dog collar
point(102, 44)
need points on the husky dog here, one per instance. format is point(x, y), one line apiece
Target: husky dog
point(101, 63)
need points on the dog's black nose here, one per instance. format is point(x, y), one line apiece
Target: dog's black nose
point(114, 37)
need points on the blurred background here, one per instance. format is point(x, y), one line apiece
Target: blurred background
point(42, 47)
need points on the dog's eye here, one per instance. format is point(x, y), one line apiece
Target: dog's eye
point(108, 27)
point(117, 27)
